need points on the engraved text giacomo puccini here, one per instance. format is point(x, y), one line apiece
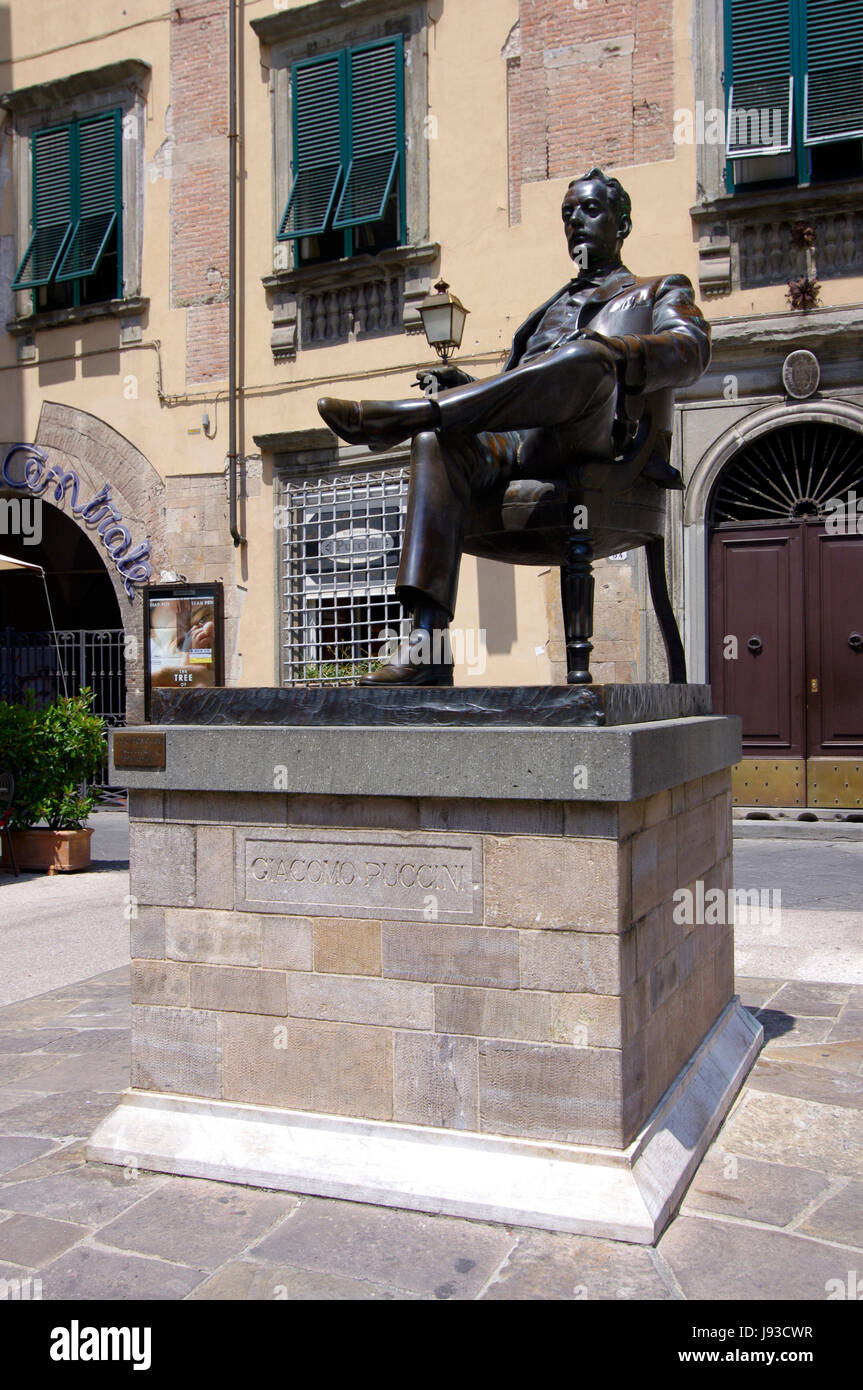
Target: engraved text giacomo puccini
point(365, 873)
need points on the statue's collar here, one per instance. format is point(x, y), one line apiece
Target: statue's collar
point(603, 286)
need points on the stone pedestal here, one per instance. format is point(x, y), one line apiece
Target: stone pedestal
point(442, 969)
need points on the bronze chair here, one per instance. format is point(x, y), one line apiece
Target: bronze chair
point(531, 522)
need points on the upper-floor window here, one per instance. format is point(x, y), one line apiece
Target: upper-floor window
point(74, 254)
point(794, 86)
point(347, 194)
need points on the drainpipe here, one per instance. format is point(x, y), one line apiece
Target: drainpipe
point(233, 142)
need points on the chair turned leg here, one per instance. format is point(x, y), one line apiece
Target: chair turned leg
point(655, 551)
point(576, 593)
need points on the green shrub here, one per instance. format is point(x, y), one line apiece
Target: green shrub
point(51, 753)
point(19, 754)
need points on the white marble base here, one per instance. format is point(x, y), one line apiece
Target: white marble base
point(625, 1195)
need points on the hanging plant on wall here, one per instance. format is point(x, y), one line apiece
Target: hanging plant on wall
point(804, 292)
point(803, 235)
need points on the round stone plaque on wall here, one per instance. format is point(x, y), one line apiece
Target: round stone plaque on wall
point(801, 374)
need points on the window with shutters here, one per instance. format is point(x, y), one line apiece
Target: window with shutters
point(78, 171)
point(352, 253)
point(347, 194)
point(73, 256)
point(794, 92)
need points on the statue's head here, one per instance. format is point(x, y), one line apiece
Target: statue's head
point(597, 215)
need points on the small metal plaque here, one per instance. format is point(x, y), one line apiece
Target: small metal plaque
point(139, 750)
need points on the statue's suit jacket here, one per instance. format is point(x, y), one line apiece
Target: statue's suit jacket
point(665, 342)
point(666, 338)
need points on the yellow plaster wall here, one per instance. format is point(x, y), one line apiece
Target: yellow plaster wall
point(500, 272)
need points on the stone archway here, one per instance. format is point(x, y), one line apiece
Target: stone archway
point(699, 491)
point(772, 525)
point(106, 464)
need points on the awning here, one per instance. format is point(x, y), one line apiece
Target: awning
point(7, 563)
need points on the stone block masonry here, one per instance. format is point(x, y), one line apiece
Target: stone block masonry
point(514, 975)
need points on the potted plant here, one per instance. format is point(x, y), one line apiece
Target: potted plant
point(52, 754)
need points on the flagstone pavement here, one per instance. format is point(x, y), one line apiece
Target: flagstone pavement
point(775, 1210)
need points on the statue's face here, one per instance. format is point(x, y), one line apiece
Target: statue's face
point(591, 222)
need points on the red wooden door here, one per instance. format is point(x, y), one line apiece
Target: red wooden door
point(834, 643)
point(757, 646)
point(786, 653)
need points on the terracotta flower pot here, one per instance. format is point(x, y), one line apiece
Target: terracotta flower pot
point(53, 851)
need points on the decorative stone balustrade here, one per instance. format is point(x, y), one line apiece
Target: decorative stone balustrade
point(339, 302)
point(335, 315)
point(746, 241)
point(767, 256)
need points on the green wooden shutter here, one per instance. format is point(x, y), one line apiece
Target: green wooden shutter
point(759, 76)
point(376, 100)
point(52, 207)
point(834, 78)
point(98, 195)
point(319, 145)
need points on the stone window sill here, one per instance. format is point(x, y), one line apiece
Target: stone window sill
point(334, 274)
point(321, 305)
point(778, 201)
point(82, 313)
point(745, 241)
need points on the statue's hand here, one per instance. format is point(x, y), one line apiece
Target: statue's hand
point(628, 355)
point(616, 346)
point(434, 379)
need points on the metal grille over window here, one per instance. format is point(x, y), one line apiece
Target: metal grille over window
point(339, 550)
point(798, 472)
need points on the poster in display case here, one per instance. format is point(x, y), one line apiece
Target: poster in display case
point(184, 637)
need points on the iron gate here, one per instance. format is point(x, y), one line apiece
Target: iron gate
point(30, 661)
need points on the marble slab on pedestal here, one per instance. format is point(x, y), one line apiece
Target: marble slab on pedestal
point(520, 706)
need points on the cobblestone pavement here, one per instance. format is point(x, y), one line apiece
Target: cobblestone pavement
point(775, 1211)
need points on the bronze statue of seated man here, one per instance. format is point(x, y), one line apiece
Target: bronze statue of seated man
point(586, 370)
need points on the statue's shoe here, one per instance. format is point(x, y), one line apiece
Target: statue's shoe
point(662, 473)
point(380, 424)
point(409, 674)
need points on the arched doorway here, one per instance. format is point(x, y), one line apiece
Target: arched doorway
point(786, 613)
point(85, 611)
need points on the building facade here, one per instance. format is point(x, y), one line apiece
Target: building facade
point(215, 214)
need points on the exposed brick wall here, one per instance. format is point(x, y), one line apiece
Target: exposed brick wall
point(590, 85)
point(199, 184)
point(207, 342)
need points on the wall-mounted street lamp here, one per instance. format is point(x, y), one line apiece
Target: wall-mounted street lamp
point(443, 316)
